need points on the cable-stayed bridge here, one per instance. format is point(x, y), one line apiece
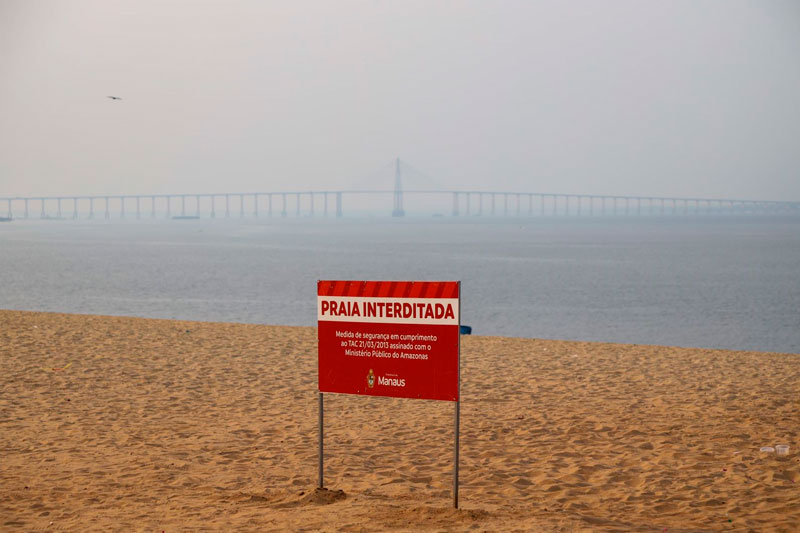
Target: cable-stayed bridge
point(493, 203)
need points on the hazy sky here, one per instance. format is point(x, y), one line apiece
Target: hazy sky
point(686, 98)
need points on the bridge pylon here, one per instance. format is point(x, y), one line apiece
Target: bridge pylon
point(397, 211)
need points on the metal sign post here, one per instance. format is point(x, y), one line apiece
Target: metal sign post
point(455, 460)
point(320, 482)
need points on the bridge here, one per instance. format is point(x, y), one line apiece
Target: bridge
point(331, 203)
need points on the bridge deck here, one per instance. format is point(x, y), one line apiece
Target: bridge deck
point(464, 202)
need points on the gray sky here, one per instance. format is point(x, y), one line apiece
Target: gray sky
point(685, 98)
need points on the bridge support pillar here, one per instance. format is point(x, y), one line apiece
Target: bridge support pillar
point(570, 205)
point(269, 205)
point(9, 208)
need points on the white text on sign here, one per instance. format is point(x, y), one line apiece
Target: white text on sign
point(442, 311)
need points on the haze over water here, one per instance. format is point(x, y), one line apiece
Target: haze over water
point(624, 98)
point(729, 283)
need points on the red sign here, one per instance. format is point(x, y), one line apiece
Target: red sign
point(389, 338)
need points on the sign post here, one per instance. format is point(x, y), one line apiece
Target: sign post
point(321, 481)
point(390, 338)
point(455, 455)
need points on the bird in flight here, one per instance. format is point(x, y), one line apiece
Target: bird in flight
point(114, 97)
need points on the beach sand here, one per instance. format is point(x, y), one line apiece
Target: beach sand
point(112, 423)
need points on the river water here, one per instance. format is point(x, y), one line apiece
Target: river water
point(708, 282)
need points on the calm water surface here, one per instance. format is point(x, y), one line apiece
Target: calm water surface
point(732, 283)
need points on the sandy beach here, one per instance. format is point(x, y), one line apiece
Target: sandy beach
point(113, 423)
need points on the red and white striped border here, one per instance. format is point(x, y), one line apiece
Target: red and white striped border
point(388, 289)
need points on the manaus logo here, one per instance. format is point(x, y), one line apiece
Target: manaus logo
point(370, 379)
